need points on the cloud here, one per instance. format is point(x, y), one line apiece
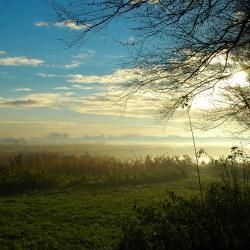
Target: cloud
point(20, 61)
point(63, 24)
point(99, 103)
point(25, 61)
point(84, 55)
point(129, 41)
point(75, 62)
point(69, 66)
point(19, 103)
point(23, 89)
point(47, 75)
point(31, 101)
point(80, 58)
point(105, 99)
point(140, 105)
point(2, 52)
point(63, 66)
point(72, 25)
point(117, 77)
point(41, 24)
point(44, 99)
point(62, 88)
point(49, 124)
point(79, 87)
point(69, 93)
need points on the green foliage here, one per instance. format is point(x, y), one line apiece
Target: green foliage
point(183, 223)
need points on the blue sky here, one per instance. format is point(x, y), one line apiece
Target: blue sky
point(46, 87)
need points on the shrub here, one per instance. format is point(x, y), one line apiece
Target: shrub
point(222, 222)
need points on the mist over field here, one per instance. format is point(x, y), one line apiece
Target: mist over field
point(119, 150)
point(125, 146)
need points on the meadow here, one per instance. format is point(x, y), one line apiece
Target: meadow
point(57, 199)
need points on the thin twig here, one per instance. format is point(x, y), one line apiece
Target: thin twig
point(196, 157)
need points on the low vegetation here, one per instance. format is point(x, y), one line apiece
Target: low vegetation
point(25, 171)
point(55, 200)
point(222, 221)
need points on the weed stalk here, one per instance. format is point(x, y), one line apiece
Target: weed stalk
point(196, 156)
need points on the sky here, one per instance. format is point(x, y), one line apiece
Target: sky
point(46, 87)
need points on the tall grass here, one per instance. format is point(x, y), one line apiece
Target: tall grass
point(46, 169)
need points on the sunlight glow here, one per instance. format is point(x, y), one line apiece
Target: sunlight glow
point(205, 100)
point(239, 78)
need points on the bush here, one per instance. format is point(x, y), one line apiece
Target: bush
point(221, 222)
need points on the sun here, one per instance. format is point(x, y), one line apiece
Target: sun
point(239, 79)
point(205, 100)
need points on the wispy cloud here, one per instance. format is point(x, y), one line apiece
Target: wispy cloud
point(42, 74)
point(106, 91)
point(84, 55)
point(22, 89)
point(63, 66)
point(19, 103)
point(64, 24)
point(80, 59)
point(26, 61)
point(75, 62)
point(119, 76)
point(141, 105)
point(2, 52)
point(31, 100)
point(20, 61)
point(97, 103)
point(79, 87)
point(48, 124)
point(62, 88)
point(41, 24)
point(129, 41)
point(72, 25)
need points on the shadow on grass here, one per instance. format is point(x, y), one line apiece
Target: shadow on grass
point(9, 189)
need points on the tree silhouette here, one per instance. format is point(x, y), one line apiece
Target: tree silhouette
point(181, 48)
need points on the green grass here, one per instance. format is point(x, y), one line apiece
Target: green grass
point(73, 218)
point(53, 200)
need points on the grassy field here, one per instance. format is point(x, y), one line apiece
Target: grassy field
point(54, 200)
point(75, 217)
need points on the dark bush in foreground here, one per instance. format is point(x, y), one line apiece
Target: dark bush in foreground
point(223, 222)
